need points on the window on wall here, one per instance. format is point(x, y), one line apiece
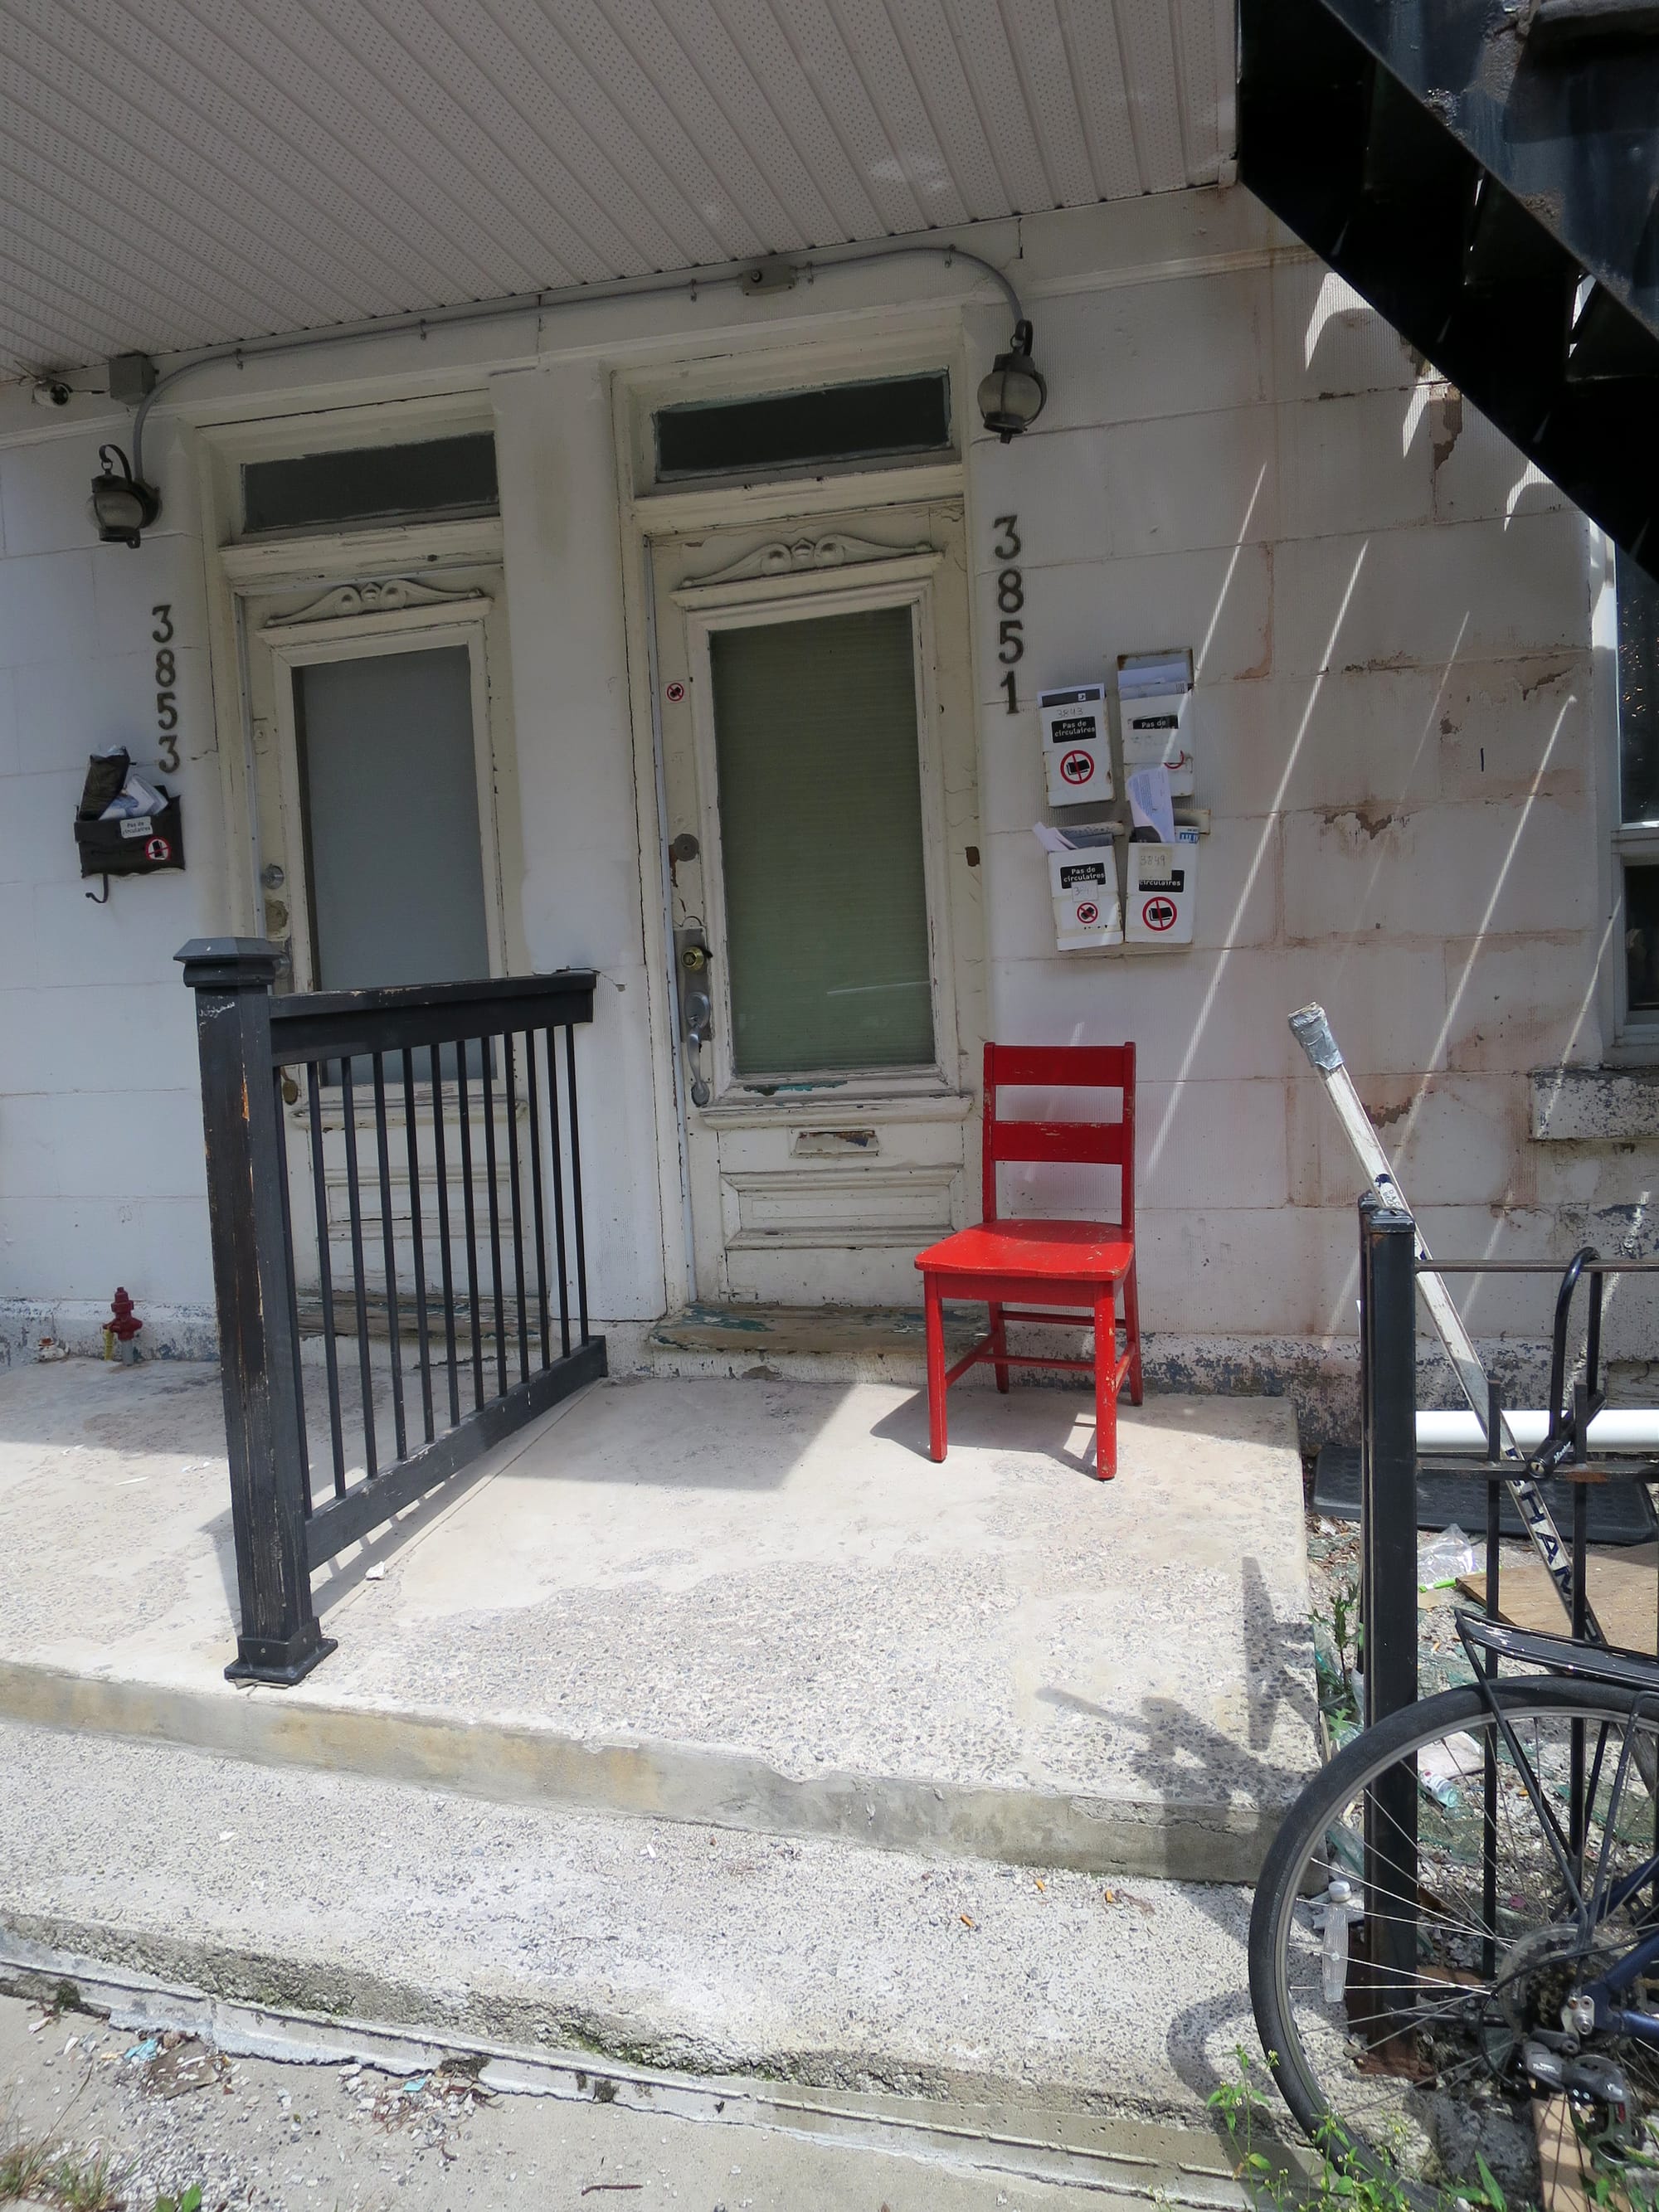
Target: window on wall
point(1637, 600)
point(356, 487)
point(792, 433)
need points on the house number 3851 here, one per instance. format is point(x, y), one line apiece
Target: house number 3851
point(1011, 605)
point(166, 682)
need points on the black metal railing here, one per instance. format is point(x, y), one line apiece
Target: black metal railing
point(1563, 1466)
point(1553, 1483)
point(427, 1139)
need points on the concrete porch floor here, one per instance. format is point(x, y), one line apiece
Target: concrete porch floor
point(752, 1603)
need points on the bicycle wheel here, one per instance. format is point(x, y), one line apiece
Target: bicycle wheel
point(1497, 1870)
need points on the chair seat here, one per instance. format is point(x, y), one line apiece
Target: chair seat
point(1063, 1251)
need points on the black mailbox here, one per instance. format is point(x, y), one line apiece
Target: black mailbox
point(130, 844)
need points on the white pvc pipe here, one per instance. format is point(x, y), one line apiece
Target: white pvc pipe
point(1616, 1429)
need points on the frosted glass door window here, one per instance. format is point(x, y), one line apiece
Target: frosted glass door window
point(821, 838)
point(389, 790)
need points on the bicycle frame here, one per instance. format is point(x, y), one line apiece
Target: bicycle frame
point(1560, 1656)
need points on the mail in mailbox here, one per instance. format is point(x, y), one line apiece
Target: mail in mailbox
point(1076, 744)
point(1159, 909)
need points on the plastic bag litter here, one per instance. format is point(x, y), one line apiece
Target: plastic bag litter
point(1440, 1559)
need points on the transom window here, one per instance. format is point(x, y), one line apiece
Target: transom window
point(356, 487)
point(790, 433)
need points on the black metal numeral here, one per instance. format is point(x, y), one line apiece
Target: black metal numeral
point(1010, 603)
point(167, 679)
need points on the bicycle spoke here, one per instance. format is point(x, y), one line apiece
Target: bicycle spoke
point(1448, 1984)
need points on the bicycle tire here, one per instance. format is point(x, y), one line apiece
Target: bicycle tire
point(1322, 1802)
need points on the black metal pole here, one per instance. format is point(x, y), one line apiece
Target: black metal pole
point(1388, 1508)
point(1388, 1525)
point(254, 1284)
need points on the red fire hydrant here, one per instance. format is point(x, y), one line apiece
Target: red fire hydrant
point(121, 1330)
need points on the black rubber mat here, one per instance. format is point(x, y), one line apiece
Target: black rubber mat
point(1620, 1512)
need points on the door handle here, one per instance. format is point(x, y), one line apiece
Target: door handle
point(697, 1012)
point(696, 1006)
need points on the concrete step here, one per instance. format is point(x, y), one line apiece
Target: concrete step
point(750, 1604)
point(649, 1944)
point(829, 1344)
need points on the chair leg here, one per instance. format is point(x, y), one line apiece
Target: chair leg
point(936, 1411)
point(1000, 1344)
point(1132, 1330)
point(1105, 1385)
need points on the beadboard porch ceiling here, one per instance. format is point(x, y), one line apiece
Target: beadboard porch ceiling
point(180, 172)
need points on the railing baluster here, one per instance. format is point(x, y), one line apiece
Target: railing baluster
point(534, 1090)
point(558, 1194)
point(517, 1194)
point(389, 1252)
point(466, 1104)
point(442, 1165)
point(488, 1044)
point(416, 1230)
point(326, 1273)
point(354, 1204)
point(576, 1180)
point(278, 1105)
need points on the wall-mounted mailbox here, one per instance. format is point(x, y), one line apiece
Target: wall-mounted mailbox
point(1155, 692)
point(1087, 909)
point(120, 828)
point(1077, 746)
point(1159, 893)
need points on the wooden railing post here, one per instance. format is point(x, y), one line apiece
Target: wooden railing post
point(253, 1276)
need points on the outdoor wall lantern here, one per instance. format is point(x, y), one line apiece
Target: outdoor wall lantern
point(1013, 395)
point(122, 506)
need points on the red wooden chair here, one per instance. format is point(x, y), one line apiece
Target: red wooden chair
point(1054, 1266)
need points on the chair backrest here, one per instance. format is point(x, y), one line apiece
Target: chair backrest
point(1062, 1066)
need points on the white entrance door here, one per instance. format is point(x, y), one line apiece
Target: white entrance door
point(377, 784)
point(819, 772)
point(376, 780)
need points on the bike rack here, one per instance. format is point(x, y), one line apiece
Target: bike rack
point(1390, 1464)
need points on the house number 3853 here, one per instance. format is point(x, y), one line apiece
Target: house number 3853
point(166, 682)
point(1011, 605)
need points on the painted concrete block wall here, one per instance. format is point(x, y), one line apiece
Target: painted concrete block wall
point(101, 1175)
point(1398, 732)
point(579, 865)
point(1390, 617)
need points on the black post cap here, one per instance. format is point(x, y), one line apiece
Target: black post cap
point(230, 964)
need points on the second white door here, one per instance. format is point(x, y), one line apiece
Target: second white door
point(819, 773)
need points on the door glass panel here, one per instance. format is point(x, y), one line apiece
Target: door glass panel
point(820, 803)
point(389, 791)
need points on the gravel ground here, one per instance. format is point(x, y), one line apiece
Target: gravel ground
point(1334, 1573)
point(169, 2113)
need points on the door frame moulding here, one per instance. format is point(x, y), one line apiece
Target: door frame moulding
point(758, 603)
point(234, 567)
point(309, 643)
point(927, 340)
point(933, 336)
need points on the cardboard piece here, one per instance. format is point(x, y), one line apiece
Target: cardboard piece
point(1624, 1589)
